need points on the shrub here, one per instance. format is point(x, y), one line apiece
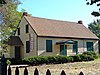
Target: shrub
point(60, 59)
point(38, 60)
point(88, 58)
point(91, 53)
point(14, 61)
point(69, 59)
point(47, 60)
point(51, 59)
point(8, 62)
point(76, 58)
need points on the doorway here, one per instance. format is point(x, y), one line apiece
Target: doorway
point(63, 49)
point(17, 52)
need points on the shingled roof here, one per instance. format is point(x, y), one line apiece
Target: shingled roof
point(55, 28)
point(15, 40)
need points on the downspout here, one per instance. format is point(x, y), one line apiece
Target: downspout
point(37, 46)
point(83, 46)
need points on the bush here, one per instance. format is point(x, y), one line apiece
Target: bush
point(76, 58)
point(8, 62)
point(91, 53)
point(39, 60)
point(86, 57)
point(69, 59)
point(13, 61)
point(60, 59)
point(51, 59)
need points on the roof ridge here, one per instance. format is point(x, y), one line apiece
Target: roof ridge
point(53, 19)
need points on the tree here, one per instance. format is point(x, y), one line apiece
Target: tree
point(97, 2)
point(95, 28)
point(2, 2)
point(10, 18)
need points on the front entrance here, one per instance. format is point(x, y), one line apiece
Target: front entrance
point(17, 52)
point(63, 50)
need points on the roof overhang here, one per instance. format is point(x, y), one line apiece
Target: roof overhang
point(66, 42)
point(81, 38)
point(15, 41)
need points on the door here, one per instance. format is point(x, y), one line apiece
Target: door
point(75, 47)
point(63, 49)
point(17, 52)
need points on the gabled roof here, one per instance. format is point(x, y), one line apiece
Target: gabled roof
point(15, 40)
point(55, 28)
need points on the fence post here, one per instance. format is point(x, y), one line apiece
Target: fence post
point(3, 65)
point(9, 70)
point(0, 67)
point(63, 72)
point(17, 71)
point(48, 72)
point(81, 73)
point(36, 72)
point(25, 71)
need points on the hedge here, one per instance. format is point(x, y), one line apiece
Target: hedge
point(59, 59)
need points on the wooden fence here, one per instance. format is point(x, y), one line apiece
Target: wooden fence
point(4, 71)
point(36, 72)
point(3, 66)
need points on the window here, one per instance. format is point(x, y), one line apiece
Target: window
point(27, 28)
point(48, 45)
point(89, 46)
point(18, 31)
point(27, 46)
point(75, 47)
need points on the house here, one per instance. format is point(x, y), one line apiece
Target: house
point(41, 37)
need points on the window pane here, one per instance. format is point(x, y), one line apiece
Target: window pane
point(89, 46)
point(48, 45)
point(27, 28)
point(18, 31)
point(27, 46)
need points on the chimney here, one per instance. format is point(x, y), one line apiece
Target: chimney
point(80, 22)
point(25, 13)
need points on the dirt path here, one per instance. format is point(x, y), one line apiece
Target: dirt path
point(88, 68)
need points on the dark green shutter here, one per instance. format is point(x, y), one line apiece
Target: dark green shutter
point(63, 49)
point(89, 46)
point(75, 47)
point(48, 45)
point(27, 28)
point(27, 46)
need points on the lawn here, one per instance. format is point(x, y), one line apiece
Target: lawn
point(89, 68)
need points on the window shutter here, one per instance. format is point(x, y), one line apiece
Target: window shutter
point(18, 31)
point(27, 46)
point(48, 45)
point(89, 46)
point(75, 47)
point(27, 28)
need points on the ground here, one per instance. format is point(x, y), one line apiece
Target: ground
point(88, 68)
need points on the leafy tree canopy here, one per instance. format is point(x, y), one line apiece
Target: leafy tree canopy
point(95, 27)
point(9, 19)
point(2, 2)
point(97, 2)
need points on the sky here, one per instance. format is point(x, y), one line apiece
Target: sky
point(66, 10)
